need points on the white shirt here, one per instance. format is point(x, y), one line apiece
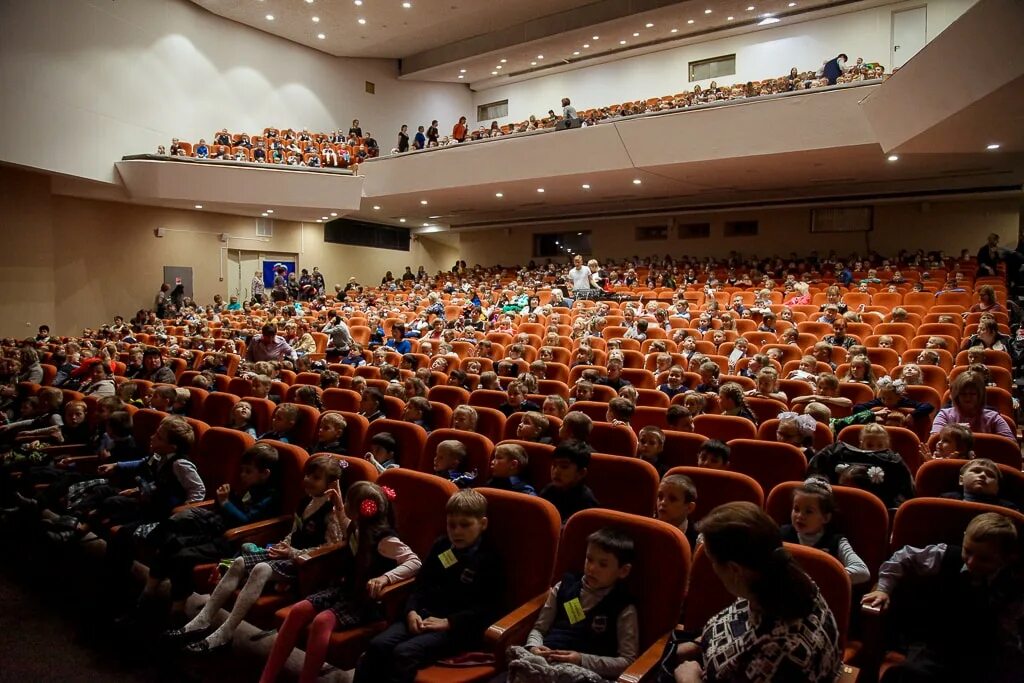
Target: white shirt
point(581, 277)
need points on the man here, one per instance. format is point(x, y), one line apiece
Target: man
point(580, 276)
point(269, 346)
point(318, 281)
point(989, 256)
point(160, 303)
point(407, 275)
point(834, 68)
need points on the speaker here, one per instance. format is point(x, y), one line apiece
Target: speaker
point(224, 237)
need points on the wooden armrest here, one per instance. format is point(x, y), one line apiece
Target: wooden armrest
point(198, 504)
point(260, 533)
point(643, 664)
point(514, 627)
point(68, 449)
point(323, 551)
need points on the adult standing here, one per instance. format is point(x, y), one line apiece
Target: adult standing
point(989, 256)
point(460, 130)
point(580, 276)
point(160, 302)
point(269, 346)
point(432, 134)
point(403, 139)
point(257, 287)
point(279, 292)
point(318, 281)
point(570, 119)
point(834, 68)
point(178, 297)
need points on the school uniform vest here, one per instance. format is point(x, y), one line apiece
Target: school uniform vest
point(828, 542)
point(597, 633)
point(375, 565)
point(168, 492)
point(311, 530)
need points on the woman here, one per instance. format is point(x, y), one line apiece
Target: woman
point(403, 139)
point(779, 628)
point(460, 129)
point(355, 129)
point(987, 301)
point(988, 337)
point(967, 392)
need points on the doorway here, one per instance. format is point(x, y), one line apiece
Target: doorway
point(909, 34)
point(243, 265)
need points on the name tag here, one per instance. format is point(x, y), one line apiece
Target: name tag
point(447, 558)
point(574, 610)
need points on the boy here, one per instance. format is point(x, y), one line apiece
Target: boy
point(576, 426)
point(677, 499)
point(450, 463)
point(713, 455)
point(516, 401)
point(163, 398)
point(534, 427)
point(282, 423)
point(679, 418)
point(567, 490)
point(456, 596)
point(674, 385)
point(980, 479)
point(587, 629)
point(944, 591)
point(507, 465)
point(382, 453)
point(650, 444)
point(620, 411)
point(329, 435)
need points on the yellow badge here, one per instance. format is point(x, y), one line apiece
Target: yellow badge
point(574, 610)
point(448, 558)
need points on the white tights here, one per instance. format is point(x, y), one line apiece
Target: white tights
point(254, 585)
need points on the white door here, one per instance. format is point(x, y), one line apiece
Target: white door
point(909, 34)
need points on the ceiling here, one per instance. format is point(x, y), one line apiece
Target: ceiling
point(476, 41)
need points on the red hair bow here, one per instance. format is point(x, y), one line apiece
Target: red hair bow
point(368, 508)
point(389, 492)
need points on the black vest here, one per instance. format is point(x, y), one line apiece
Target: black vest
point(829, 542)
point(311, 531)
point(597, 634)
point(167, 492)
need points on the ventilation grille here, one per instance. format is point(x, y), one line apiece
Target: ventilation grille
point(264, 227)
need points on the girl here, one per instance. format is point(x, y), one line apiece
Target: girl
point(307, 395)
point(733, 402)
point(418, 411)
point(860, 372)
point(814, 505)
point(955, 441)
point(797, 430)
point(739, 350)
point(709, 373)
point(768, 385)
point(892, 407)
point(379, 558)
point(241, 418)
point(320, 519)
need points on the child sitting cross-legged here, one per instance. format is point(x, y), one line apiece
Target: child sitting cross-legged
point(455, 598)
point(677, 499)
point(319, 519)
point(450, 463)
point(379, 558)
point(980, 479)
point(941, 592)
point(587, 629)
point(814, 505)
point(508, 464)
point(568, 490)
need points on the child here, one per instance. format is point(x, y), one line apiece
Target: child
point(709, 372)
point(516, 401)
point(713, 455)
point(379, 558)
point(695, 402)
point(163, 398)
point(418, 411)
point(797, 430)
point(196, 535)
point(534, 428)
point(329, 433)
point(283, 423)
point(455, 598)
point(677, 499)
point(768, 385)
point(620, 411)
point(733, 402)
point(887, 475)
point(583, 391)
point(955, 441)
point(944, 591)
point(679, 418)
point(508, 464)
point(450, 463)
point(319, 519)
point(674, 383)
point(650, 444)
point(568, 491)
point(241, 418)
point(891, 405)
point(383, 452)
point(814, 505)
point(980, 479)
point(587, 629)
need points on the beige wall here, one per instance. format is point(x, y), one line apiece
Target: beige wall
point(950, 226)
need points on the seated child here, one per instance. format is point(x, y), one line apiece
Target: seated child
point(418, 411)
point(620, 411)
point(768, 385)
point(679, 418)
point(889, 477)
point(650, 444)
point(450, 463)
point(283, 423)
point(677, 499)
point(797, 430)
point(577, 425)
point(568, 491)
point(734, 402)
point(241, 418)
point(379, 558)
point(814, 505)
point(534, 428)
point(583, 391)
point(455, 598)
point(508, 464)
point(892, 407)
point(516, 401)
point(587, 629)
point(383, 453)
point(955, 441)
point(674, 382)
point(980, 479)
point(940, 592)
point(163, 398)
point(329, 433)
point(713, 455)
point(319, 519)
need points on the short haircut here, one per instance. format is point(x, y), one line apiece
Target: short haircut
point(120, 423)
point(992, 527)
point(655, 430)
point(262, 456)
point(538, 420)
point(182, 396)
point(578, 424)
point(614, 542)
point(179, 433)
point(675, 413)
point(621, 408)
point(467, 503)
point(289, 410)
point(515, 452)
point(269, 329)
point(684, 483)
point(456, 447)
point(334, 419)
point(576, 452)
point(984, 462)
point(716, 448)
point(327, 465)
point(819, 411)
point(467, 409)
point(375, 395)
point(167, 391)
point(385, 441)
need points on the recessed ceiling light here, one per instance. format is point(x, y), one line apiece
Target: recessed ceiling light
point(361, 20)
point(316, 20)
point(426, 225)
point(540, 56)
point(576, 53)
point(407, 5)
point(586, 45)
point(637, 181)
point(894, 157)
point(461, 76)
point(689, 21)
point(462, 71)
point(675, 30)
point(264, 214)
point(270, 17)
point(540, 189)
point(498, 67)
point(376, 207)
point(729, 18)
point(199, 206)
point(596, 38)
point(359, 3)
point(334, 213)
point(750, 9)
point(533, 63)
point(792, 4)
point(323, 218)
point(636, 35)
point(622, 42)
point(579, 234)
point(585, 186)
point(499, 195)
point(319, 220)
point(401, 220)
point(504, 61)
point(321, 36)
point(494, 73)
point(648, 25)
point(423, 202)
point(768, 20)
point(270, 211)
point(707, 11)
point(433, 217)
point(994, 145)
point(309, 2)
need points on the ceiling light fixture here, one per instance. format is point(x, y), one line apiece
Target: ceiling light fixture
point(462, 71)
point(461, 76)
point(423, 202)
point(576, 53)
point(407, 5)
point(494, 73)
point(401, 220)
point(540, 189)
point(426, 225)
point(319, 221)
point(586, 45)
point(648, 25)
point(707, 11)
point(622, 42)
point(729, 18)
point(499, 195)
point(750, 9)
point(792, 4)
point(199, 206)
point(433, 217)
point(309, 2)
point(359, 3)
point(637, 181)
point(533, 63)
point(994, 145)
point(675, 30)
point(689, 21)
point(498, 67)
point(596, 38)
point(636, 35)
point(540, 56)
point(361, 20)
point(334, 213)
point(270, 211)
point(316, 20)
point(323, 218)
point(264, 214)
point(504, 61)
point(376, 207)
point(894, 157)
point(585, 186)
point(321, 36)
point(270, 17)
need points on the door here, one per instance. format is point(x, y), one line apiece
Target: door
point(909, 34)
point(241, 267)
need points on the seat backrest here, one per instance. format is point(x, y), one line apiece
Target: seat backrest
point(904, 442)
point(411, 439)
point(290, 463)
point(145, 422)
point(614, 439)
point(218, 456)
point(487, 398)
point(420, 502)
point(305, 431)
point(624, 484)
point(262, 411)
point(927, 521)
point(715, 487)
point(490, 422)
point(660, 573)
point(937, 477)
point(452, 396)
point(356, 469)
point(862, 517)
point(356, 427)
point(725, 427)
point(344, 400)
point(769, 463)
point(647, 415)
point(681, 449)
point(478, 452)
point(766, 408)
point(538, 469)
point(217, 408)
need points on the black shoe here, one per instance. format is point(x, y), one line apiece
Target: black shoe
point(204, 648)
point(180, 636)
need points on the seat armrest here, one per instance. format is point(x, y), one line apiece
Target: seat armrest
point(198, 504)
point(319, 554)
point(848, 674)
point(645, 663)
point(514, 627)
point(260, 533)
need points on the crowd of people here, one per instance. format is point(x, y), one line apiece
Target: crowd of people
point(580, 360)
point(339, 150)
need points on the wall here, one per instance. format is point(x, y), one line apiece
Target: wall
point(96, 80)
point(75, 263)
point(949, 226)
point(760, 54)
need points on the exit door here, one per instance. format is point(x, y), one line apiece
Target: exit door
point(909, 34)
